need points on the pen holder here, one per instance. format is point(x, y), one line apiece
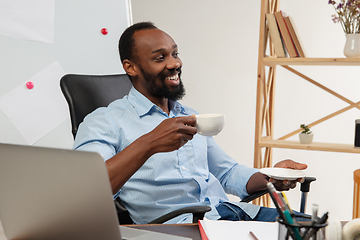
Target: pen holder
point(305, 228)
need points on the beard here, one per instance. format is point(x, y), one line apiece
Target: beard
point(173, 93)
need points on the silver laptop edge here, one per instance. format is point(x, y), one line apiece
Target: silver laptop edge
point(49, 193)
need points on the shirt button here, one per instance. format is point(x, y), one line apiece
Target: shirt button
point(184, 168)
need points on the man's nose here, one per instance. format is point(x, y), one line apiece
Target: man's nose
point(173, 63)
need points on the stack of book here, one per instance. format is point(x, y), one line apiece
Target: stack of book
point(283, 35)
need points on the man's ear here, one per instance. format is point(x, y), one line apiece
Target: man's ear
point(130, 68)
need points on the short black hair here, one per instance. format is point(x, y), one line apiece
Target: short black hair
point(127, 42)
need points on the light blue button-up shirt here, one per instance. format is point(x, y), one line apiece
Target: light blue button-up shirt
point(199, 173)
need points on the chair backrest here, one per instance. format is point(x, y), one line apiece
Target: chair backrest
point(85, 93)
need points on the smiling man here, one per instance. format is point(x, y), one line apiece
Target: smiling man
point(156, 161)
point(155, 68)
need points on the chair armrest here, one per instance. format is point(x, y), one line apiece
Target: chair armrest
point(197, 211)
point(305, 187)
point(254, 196)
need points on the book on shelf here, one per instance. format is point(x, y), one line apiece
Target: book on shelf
point(294, 36)
point(275, 36)
point(285, 34)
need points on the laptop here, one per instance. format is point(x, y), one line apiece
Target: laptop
point(48, 193)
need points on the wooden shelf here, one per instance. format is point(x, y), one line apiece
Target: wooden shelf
point(265, 95)
point(272, 61)
point(315, 146)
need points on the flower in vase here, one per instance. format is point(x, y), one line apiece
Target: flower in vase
point(347, 14)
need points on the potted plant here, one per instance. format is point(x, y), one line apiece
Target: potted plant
point(306, 135)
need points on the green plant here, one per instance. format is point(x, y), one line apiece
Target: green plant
point(306, 129)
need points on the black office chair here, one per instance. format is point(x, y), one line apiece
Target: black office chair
point(85, 93)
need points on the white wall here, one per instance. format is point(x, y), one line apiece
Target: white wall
point(218, 43)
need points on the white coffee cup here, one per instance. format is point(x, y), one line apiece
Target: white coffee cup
point(209, 124)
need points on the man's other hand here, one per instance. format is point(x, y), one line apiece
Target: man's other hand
point(285, 185)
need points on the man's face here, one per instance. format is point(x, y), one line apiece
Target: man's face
point(159, 64)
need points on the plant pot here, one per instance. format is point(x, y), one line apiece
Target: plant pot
point(352, 46)
point(306, 138)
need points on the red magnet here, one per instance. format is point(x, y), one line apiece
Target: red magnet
point(104, 31)
point(30, 85)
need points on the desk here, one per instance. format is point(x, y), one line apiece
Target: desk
point(184, 230)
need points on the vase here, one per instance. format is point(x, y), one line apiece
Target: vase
point(306, 138)
point(352, 46)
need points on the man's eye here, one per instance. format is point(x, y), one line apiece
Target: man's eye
point(175, 54)
point(159, 58)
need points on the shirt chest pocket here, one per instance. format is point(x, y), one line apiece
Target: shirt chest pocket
point(199, 143)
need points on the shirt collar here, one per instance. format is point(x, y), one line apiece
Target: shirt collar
point(143, 105)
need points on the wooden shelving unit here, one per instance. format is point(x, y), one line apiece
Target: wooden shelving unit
point(273, 61)
point(316, 146)
point(264, 142)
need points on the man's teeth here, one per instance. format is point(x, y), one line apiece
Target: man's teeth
point(175, 77)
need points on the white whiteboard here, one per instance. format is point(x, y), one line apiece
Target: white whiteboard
point(78, 46)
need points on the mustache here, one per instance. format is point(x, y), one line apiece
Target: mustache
point(169, 72)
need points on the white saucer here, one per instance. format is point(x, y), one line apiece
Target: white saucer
point(283, 173)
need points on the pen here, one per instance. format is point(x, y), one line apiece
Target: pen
point(286, 201)
point(314, 217)
point(290, 220)
point(253, 235)
point(313, 230)
point(314, 212)
point(287, 207)
point(276, 199)
point(287, 218)
point(323, 219)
